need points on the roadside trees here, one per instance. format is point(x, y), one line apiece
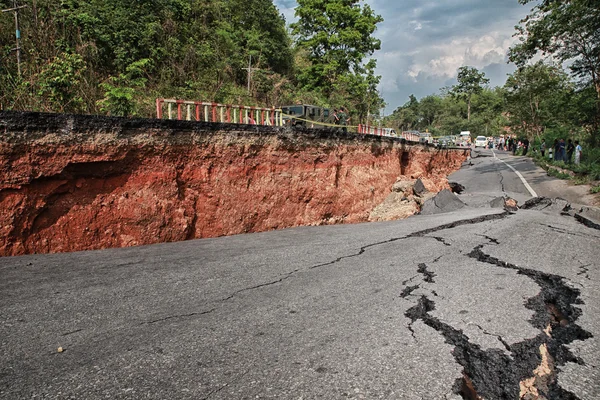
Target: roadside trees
point(537, 97)
point(470, 82)
point(336, 36)
point(569, 31)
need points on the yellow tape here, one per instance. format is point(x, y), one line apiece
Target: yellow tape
point(318, 123)
point(336, 125)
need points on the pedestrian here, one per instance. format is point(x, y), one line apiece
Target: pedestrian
point(343, 119)
point(561, 148)
point(525, 146)
point(336, 117)
point(556, 149)
point(570, 150)
point(577, 152)
point(550, 149)
point(543, 148)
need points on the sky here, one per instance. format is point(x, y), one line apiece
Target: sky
point(424, 42)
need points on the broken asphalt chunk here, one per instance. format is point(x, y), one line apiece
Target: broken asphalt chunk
point(445, 201)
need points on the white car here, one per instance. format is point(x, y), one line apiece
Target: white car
point(481, 141)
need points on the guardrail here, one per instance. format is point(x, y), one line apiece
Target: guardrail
point(237, 114)
point(378, 131)
point(215, 112)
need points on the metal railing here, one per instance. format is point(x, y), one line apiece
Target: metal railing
point(237, 114)
point(215, 112)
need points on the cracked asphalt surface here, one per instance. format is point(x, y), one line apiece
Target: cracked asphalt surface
point(445, 306)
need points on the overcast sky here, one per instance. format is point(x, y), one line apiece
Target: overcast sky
point(424, 42)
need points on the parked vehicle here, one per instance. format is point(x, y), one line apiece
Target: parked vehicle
point(306, 115)
point(425, 137)
point(481, 141)
point(445, 141)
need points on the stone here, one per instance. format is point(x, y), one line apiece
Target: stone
point(419, 187)
point(403, 187)
point(498, 202)
point(445, 201)
point(395, 206)
point(456, 187)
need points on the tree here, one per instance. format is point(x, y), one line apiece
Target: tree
point(361, 89)
point(470, 82)
point(430, 107)
point(337, 37)
point(567, 30)
point(77, 55)
point(536, 96)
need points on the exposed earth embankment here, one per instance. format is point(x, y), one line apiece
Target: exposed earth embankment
point(70, 182)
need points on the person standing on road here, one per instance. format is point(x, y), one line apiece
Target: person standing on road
point(343, 119)
point(556, 149)
point(570, 150)
point(562, 156)
point(543, 148)
point(577, 152)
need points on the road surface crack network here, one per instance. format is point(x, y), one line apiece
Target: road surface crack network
point(529, 364)
point(427, 275)
point(500, 339)
point(337, 260)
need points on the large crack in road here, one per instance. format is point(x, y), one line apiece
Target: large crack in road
point(527, 370)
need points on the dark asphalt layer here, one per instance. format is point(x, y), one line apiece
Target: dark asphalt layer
point(389, 310)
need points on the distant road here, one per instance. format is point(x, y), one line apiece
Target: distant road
point(445, 306)
point(506, 181)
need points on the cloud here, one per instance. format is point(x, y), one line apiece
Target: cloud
point(424, 42)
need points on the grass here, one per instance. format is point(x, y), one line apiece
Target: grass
point(557, 174)
point(588, 172)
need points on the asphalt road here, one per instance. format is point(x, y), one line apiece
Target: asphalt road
point(446, 306)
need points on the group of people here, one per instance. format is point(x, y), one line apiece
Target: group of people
point(561, 151)
point(341, 118)
point(510, 144)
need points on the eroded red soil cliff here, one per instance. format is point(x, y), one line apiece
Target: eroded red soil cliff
point(79, 182)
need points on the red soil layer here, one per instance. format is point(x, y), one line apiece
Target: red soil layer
point(72, 183)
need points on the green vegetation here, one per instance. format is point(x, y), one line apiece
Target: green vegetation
point(116, 57)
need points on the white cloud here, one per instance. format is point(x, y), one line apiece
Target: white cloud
point(443, 60)
point(424, 42)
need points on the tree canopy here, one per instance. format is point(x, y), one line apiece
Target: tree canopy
point(470, 82)
point(569, 31)
point(337, 35)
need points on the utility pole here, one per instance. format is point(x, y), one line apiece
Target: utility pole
point(250, 69)
point(16, 9)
